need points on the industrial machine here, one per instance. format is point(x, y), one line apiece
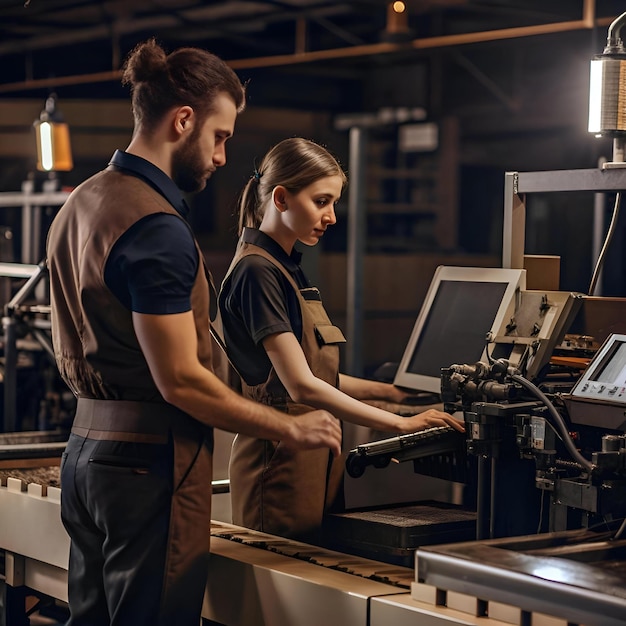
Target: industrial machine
point(579, 461)
point(549, 477)
point(531, 465)
point(476, 313)
point(576, 441)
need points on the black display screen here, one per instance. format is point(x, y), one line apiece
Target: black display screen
point(455, 330)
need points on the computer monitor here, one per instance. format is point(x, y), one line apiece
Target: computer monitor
point(463, 305)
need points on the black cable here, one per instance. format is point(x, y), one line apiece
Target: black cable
point(543, 498)
point(556, 416)
point(620, 530)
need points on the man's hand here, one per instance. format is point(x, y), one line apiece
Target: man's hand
point(428, 419)
point(316, 429)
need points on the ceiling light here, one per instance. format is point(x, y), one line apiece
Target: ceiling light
point(607, 93)
point(397, 28)
point(54, 152)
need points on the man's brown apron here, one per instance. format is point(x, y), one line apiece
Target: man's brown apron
point(118, 403)
point(190, 512)
point(276, 489)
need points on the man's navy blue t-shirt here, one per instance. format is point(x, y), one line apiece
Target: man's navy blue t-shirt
point(153, 265)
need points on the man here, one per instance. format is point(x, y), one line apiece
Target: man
point(130, 311)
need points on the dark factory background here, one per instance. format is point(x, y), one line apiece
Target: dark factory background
point(454, 93)
point(432, 107)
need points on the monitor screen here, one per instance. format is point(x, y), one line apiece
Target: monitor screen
point(611, 367)
point(462, 306)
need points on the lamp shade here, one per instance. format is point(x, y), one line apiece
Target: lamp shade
point(54, 151)
point(607, 95)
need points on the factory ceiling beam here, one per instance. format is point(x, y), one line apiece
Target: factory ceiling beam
point(186, 18)
point(300, 56)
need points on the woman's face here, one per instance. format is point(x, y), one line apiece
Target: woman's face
point(308, 213)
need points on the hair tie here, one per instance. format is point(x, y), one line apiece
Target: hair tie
point(257, 175)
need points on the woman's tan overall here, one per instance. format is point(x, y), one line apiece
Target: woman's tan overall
point(276, 489)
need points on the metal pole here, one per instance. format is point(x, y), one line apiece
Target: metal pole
point(356, 251)
point(482, 504)
point(597, 237)
point(28, 187)
point(492, 499)
point(10, 374)
point(514, 223)
point(598, 231)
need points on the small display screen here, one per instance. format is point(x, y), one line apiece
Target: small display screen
point(612, 364)
point(455, 330)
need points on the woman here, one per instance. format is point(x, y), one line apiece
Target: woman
point(285, 348)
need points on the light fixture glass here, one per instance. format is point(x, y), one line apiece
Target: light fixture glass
point(397, 27)
point(54, 151)
point(607, 93)
point(595, 96)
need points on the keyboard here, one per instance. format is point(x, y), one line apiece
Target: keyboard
point(427, 442)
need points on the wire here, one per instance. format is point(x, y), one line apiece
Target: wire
point(567, 440)
point(488, 342)
point(620, 530)
point(543, 499)
point(605, 245)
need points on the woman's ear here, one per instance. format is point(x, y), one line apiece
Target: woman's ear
point(279, 197)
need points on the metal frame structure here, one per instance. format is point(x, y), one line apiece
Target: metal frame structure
point(31, 203)
point(518, 184)
point(10, 322)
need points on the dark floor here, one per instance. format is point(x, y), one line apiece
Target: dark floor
point(39, 620)
point(56, 614)
point(50, 613)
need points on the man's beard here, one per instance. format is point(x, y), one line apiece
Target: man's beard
point(188, 170)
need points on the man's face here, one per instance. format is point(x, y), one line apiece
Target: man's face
point(204, 150)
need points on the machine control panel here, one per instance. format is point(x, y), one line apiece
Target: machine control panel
point(605, 378)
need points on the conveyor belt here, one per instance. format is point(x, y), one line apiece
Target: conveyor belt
point(47, 476)
point(32, 458)
point(24, 438)
point(273, 581)
point(31, 450)
point(28, 445)
point(357, 566)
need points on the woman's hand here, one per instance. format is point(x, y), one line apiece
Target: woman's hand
point(429, 419)
point(397, 395)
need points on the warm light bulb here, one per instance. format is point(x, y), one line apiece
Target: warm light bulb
point(399, 7)
point(607, 95)
point(595, 96)
point(45, 141)
point(54, 152)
